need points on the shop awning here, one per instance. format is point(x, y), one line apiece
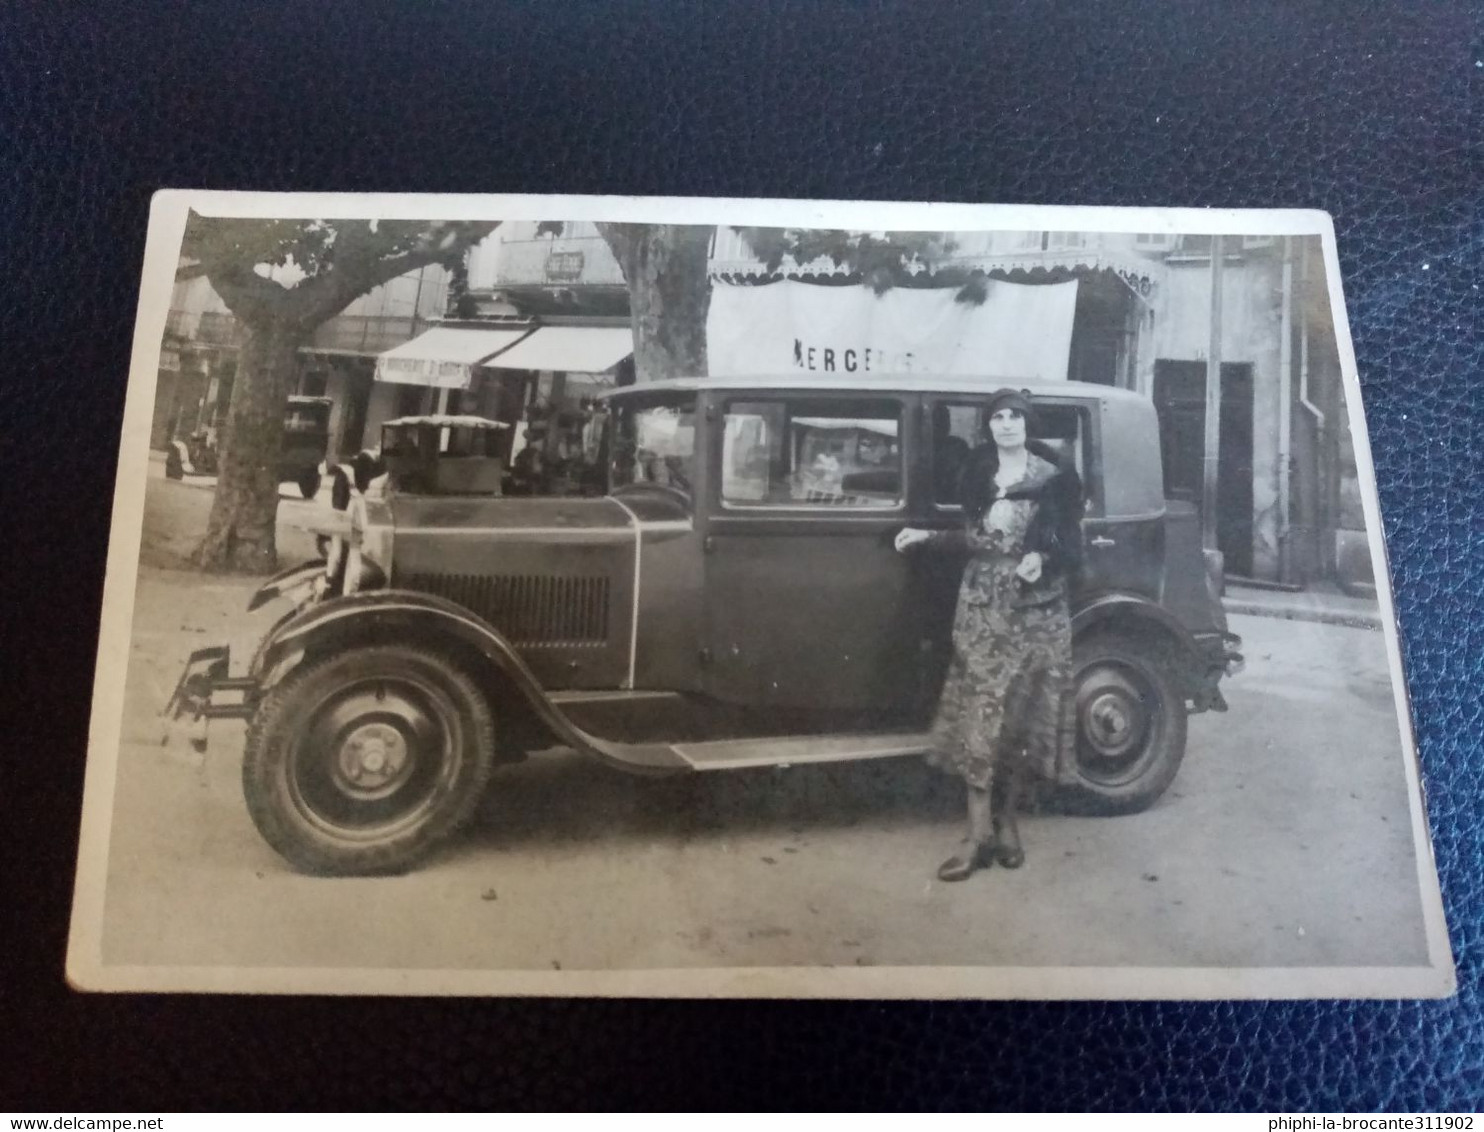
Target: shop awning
point(443, 357)
point(569, 349)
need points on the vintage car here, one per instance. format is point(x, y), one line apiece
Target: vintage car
point(734, 601)
point(442, 455)
point(306, 437)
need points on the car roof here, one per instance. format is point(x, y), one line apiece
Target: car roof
point(444, 420)
point(870, 383)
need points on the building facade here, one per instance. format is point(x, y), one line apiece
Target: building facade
point(397, 352)
point(543, 326)
point(202, 339)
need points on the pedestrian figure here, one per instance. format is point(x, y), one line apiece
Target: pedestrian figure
point(1011, 667)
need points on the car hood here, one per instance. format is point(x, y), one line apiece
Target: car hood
point(411, 513)
point(555, 576)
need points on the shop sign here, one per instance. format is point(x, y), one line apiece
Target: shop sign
point(564, 267)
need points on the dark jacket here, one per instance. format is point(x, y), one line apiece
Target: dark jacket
point(1055, 531)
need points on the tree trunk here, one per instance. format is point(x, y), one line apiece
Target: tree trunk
point(240, 532)
point(669, 295)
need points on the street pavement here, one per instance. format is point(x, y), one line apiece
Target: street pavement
point(1285, 841)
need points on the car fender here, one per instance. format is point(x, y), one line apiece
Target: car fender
point(1127, 608)
point(404, 615)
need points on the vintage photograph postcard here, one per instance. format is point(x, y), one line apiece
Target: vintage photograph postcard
point(674, 597)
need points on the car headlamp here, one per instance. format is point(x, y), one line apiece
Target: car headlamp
point(344, 537)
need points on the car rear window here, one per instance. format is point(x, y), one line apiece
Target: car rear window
point(960, 427)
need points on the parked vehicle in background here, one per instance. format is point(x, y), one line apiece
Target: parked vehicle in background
point(734, 601)
point(306, 439)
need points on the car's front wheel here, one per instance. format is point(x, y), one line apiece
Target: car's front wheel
point(1130, 721)
point(362, 762)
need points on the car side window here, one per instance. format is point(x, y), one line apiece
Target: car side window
point(960, 427)
point(957, 430)
point(789, 452)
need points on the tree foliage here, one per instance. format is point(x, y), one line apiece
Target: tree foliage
point(878, 260)
point(301, 272)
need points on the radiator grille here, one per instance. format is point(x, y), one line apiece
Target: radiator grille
point(532, 610)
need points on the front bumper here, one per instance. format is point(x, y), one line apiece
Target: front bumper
point(206, 691)
point(1218, 654)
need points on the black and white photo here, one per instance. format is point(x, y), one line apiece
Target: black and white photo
point(561, 595)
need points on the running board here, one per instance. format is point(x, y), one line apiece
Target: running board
point(737, 754)
point(607, 696)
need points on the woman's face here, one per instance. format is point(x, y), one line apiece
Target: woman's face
point(1007, 427)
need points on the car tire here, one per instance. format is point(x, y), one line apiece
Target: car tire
point(309, 483)
point(362, 762)
point(1129, 720)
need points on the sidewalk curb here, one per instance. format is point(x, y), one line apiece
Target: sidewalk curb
point(1349, 619)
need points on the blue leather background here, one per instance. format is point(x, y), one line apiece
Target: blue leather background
point(1372, 111)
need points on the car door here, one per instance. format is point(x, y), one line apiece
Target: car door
point(808, 606)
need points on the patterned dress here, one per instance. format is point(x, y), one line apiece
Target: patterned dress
point(1007, 694)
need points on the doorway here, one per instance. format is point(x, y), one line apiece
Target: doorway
point(355, 402)
point(1101, 330)
point(1180, 401)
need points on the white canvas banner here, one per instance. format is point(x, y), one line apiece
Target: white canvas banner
point(1019, 333)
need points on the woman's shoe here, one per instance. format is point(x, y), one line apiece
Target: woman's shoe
point(962, 866)
point(1009, 856)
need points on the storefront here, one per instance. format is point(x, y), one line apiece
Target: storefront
point(442, 371)
point(563, 366)
point(537, 376)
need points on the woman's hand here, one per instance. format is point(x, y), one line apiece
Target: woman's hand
point(1029, 568)
point(909, 537)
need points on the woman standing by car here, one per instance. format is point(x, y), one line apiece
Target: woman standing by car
point(1002, 702)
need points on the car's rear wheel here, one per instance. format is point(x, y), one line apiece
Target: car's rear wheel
point(309, 482)
point(362, 762)
point(1130, 722)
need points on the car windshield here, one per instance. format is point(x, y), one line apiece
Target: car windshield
point(653, 443)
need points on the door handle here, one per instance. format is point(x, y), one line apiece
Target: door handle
point(1102, 541)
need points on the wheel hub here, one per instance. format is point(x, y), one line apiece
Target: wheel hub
point(1109, 721)
point(372, 757)
point(1114, 718)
